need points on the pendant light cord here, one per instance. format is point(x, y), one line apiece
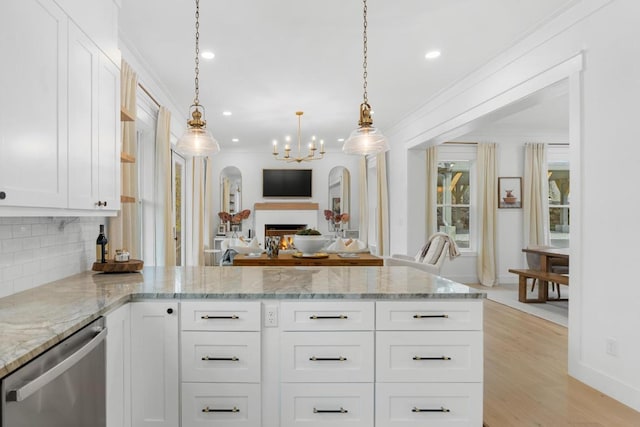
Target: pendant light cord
point(364, 62)
point(196, 100)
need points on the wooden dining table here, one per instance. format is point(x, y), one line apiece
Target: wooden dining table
point(546, 255)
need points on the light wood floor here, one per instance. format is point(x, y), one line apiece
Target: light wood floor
point(526, 381)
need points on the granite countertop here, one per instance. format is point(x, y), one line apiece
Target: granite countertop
point(35, 320)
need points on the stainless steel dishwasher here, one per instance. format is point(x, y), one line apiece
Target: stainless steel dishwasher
point(63, 387)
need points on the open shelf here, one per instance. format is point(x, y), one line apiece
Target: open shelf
point(127, 199)
point(127, 158)
point(126, 115)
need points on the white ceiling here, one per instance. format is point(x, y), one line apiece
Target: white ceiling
point(279, 56)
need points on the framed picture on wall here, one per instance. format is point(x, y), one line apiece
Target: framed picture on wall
point(510, 192)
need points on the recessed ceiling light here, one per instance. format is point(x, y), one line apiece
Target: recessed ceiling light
point(235, 140)
point(340, 139)
point(207, 54)
point(432, 54)
point(227, 113)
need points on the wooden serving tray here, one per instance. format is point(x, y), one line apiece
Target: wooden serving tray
point(111, 266)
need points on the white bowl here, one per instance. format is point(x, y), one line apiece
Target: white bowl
point(309, 245)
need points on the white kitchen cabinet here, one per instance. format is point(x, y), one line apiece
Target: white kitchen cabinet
point(59, 115)
point(221, 363)
point(94, 145)
point(33, 104)
point(429, 363)
point(154, 364)
point(118, 363)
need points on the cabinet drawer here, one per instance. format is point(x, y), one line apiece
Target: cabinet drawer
point(444, 405)
point(433, 356)
point(220, 316)
point(322, 405)
point(327, 357)
point(221, 356)
point(327, 316)
point(429, 315)
point(221, 405)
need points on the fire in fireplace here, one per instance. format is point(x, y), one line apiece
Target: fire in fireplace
point(285, 231)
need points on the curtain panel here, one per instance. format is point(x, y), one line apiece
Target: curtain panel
point(535, 197)
point(431, 207)
point(487, 214)
point(165, 244)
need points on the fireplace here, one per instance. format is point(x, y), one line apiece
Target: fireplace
point(280, 219)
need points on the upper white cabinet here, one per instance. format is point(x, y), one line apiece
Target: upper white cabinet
point(94, 146)
point(59, 113)
point(33, 104)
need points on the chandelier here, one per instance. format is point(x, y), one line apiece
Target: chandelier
point(366, 139)
point(287, 148)
point(197, 140)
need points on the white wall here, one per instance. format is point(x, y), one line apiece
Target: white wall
point(588, 45)
point(251, 164)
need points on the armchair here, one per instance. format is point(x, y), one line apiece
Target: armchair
point(430, 257)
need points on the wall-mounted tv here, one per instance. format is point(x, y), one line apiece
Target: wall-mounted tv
point(286, 183)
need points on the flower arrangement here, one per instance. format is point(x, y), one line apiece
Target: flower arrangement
point(335, 219)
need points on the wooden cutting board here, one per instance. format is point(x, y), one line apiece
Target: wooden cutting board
point(111, 266)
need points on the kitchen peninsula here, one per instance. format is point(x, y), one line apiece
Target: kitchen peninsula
point(287, 342)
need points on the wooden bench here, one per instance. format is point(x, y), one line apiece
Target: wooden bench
point(544, 278)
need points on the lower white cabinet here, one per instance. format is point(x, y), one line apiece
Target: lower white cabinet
point(221, 405)
point(118, 365)
point(328, 363)
point(326, 404)
point(154, 364)
point(428, 404)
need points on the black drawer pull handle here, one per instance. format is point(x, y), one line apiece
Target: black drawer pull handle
point(431, 358)
point(442, 409)
point(218, 317)
point(330, 411)
point(231, 359)
point(341, 316)
point(322, 359)
point(430, 316)
point(3, 195)
point(207, 409)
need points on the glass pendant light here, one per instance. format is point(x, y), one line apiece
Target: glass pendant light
point(367, 139)
point(197, 140)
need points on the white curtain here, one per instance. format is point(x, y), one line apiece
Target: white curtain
point(363, 220)
point(124, 230)
point(535, 199)
point(165, 221)
point(201, 209)
point(487, 214)
point(383, 205)
point(432, 192)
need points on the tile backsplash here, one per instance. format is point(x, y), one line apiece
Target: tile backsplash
point(35, 251)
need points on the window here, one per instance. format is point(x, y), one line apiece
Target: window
point(558, 176)
point(454, 200)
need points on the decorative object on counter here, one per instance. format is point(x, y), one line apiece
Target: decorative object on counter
point(111, 266)
point(197, 140)
point(335, 220)
point(272, 246)
point(101, 246)
point(287, 147)
point(309, 241)
point(366, 139)
point(121, 255)
point(316, 255)
point(341, 245)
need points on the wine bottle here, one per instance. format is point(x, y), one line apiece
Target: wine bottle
point(101, 246)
